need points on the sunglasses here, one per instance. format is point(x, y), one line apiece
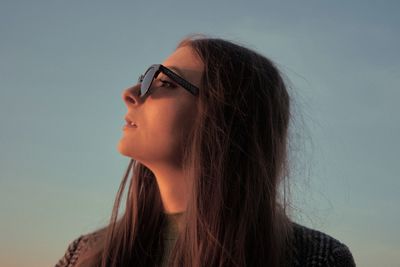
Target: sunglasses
point(152, 72)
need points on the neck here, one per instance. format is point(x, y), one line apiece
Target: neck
point(174, 188)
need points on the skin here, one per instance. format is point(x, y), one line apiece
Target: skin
point(163, 118)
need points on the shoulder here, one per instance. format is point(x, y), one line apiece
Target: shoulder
point(315, 248)
point(75, 248)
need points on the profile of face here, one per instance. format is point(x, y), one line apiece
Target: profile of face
point(164, 116)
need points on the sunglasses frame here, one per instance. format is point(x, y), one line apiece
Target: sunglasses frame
point(154, 70)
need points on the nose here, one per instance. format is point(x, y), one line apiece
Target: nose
point(131, 95)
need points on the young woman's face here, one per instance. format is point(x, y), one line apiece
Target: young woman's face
point(165, 115)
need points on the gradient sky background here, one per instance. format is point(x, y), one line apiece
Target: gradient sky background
point(64, 64)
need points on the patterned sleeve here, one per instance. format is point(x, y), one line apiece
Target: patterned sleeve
point(70, 256)
point(341, 256)
point(315, 248)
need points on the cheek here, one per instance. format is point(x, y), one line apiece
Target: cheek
point(170, 123)
point(164, 126)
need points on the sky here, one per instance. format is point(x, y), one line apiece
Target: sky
point(64, 65)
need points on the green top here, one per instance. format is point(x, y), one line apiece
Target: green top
point(171, 234)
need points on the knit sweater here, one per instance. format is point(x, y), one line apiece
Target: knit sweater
point(310, 247)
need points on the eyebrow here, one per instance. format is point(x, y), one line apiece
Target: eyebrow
point(177, 70)
point(176, 74)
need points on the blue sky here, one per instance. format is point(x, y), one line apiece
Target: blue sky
point(64, 64)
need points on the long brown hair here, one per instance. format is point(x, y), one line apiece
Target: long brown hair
point(236, 156)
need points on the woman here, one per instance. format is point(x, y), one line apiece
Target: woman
point(207, 132)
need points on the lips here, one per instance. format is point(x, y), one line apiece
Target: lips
point(130, 121)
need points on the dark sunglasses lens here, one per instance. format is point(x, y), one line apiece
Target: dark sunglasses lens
point(147, 80)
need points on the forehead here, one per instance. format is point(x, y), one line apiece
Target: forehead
point(188, 63)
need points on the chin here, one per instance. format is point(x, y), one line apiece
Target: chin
point(123, 150)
